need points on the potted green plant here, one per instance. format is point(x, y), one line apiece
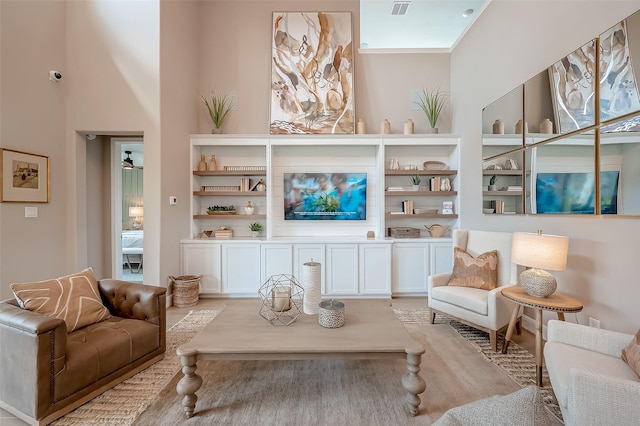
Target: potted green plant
point(256, 229)
point(219, 107)
point(432, 102)
point(492, 183)
point(415, 180)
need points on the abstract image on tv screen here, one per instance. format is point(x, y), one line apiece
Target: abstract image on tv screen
point(573, 193)
point(325, 196)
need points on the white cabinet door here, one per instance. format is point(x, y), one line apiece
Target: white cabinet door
point(275, 259)
point(342, 269)
point(410, 267)
point(375, 269)
point(202, 259)
point(241, 269)
point(441, 258)
point(303, 253)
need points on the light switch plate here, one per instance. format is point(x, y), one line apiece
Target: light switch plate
point(30, 212)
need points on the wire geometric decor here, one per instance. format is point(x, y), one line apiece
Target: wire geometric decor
point(281, 299)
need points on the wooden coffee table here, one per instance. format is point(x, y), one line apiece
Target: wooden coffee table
point(371, 331)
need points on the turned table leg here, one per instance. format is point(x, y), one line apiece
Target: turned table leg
point(539, 344)
point(412, 382)
point(189, 384)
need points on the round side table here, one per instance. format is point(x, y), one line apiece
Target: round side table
point(557, 302)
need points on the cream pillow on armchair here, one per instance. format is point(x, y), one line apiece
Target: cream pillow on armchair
point(73, 298)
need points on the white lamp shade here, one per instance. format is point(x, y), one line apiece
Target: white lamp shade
point(539, 250)
point(136, 211)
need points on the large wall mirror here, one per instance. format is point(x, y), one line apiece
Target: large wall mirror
point(567, 141)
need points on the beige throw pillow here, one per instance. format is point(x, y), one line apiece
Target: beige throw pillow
point(74, 299)
point(631, 353)
point(477, 272)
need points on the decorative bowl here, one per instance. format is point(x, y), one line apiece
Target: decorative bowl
point(221, 212)
point(434, 165)
point(487, 211)
point(425, 211)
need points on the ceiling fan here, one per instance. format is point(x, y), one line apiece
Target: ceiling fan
point(127, 163)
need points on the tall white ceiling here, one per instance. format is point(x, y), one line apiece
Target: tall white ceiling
point(427, 24)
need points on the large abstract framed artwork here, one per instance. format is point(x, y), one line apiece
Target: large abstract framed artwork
point(572, 88)
point(25, 177)
point(312, 73)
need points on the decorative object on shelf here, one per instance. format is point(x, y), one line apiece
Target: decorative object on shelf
point(385, 127)
point(249, 209)
point(432, 102)
point(546, 126)
point(393, 164)
point(437, 231)
point(244, 168)
point(212, 164)
point(415, 180)
point(404, 232)
point(447, 207)
point(219, 107)
point(511, 164)
point(311, 280)
point(223, 233)
point(371, 235)
point(221, 210)
point(492, 183)
point(136, 213)
point(208, 233)
point(202, 165)
point(312, 53)
point(520, 127)
point(425, 211)
point(185, 290)
point(360, 127)
point(539, 252)
point(445, 185)
point(256, 229)
point(498, 127)
point(281, 299)
point(487, 211)
point(208, 188)
point(331, 314)
point(260, 186)
point(434, 165)
point(408, 127)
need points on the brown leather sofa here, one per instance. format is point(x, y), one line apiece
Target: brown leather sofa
point(45, 372)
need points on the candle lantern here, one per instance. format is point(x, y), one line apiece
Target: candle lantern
point(281, 299)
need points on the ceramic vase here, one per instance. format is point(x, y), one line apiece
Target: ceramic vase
point(498, 127)
point(202, 165)
point(212, 163)
point(249, 209)
point(360, 127)
point(385, 127)
point(546, 126)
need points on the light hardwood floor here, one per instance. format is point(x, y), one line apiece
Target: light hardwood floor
point(471, 360)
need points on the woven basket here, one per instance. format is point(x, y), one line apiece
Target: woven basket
point(185, 290)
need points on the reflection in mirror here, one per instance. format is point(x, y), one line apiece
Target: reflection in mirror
point(572, 89)
point(620, 165)
point(506, 110)
point(619, 63)
point(538, 109)
point(503, 184)
point(562, 176)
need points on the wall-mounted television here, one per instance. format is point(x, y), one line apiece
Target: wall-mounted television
point(325, 196)
point(574, 192)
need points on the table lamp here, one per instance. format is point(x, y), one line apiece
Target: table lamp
point(137, 213)
point(539, 252)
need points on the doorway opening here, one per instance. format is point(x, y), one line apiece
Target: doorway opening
point(128, 208)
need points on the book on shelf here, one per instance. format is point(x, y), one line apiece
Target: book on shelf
point(435, 183)
point(407, 206)
point(396, 212)
point(514, 188)
point(395, 188)
point(244, 184)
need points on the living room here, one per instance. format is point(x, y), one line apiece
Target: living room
point(140, 68)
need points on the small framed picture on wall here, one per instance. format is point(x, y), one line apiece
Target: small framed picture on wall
point(25, 177)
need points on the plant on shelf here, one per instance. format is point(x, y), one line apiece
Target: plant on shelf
point(432, 102)
point(416, 179)
point(219, 106)
point(256, 229)
point(222, 209)
point(492, 183)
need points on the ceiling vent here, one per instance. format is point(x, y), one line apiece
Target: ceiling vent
point(400, 7)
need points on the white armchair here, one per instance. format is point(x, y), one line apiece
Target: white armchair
point(486, 310)
point(592, 384)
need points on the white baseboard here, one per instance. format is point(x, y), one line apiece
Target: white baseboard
point(529, 324)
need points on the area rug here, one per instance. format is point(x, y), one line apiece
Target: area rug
point(122, 404)
point(518, 363)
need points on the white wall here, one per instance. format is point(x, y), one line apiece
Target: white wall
point(510, 43)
